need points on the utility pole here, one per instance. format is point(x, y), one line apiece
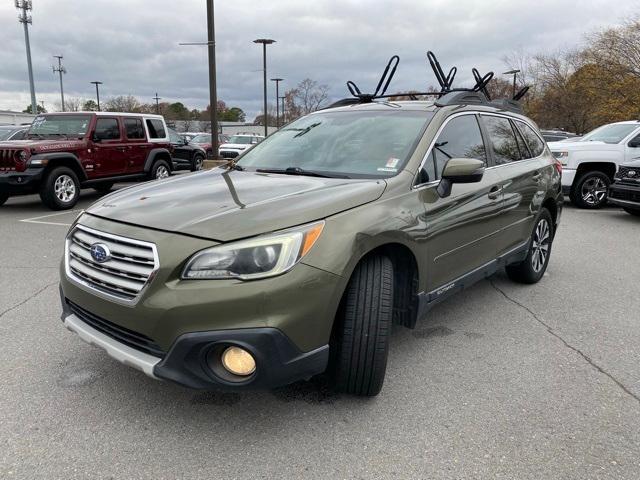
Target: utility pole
point(157, 99)
point(213, 90)
point(25, 19)
point(277, 80)
point(60, 70)
point(284, 117)
point(96, 83)
point(264, 42)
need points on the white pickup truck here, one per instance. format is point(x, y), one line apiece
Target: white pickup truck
point(590, 163)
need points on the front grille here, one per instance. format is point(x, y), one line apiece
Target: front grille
point(629, 195)
point(123, 335)
point(7, 159)
point(623, 172)
point(123, 276)
point(229, 154)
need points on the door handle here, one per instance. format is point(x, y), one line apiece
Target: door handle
point(495, 192)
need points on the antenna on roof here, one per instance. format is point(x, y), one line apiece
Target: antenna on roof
point(387, 75)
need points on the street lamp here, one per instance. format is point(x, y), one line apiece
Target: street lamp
point(277, 80)
point(264, 42)
point(96, 83)
point(515, 75)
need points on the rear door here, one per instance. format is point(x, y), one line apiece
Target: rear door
point(523, 177)
point(462, 227)
point(109, 147)
point(137, 144)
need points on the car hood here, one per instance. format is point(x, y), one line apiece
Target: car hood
point(224, 206)
point(43, 146)
point(566, 146)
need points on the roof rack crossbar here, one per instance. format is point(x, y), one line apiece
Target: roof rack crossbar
point(383, 83)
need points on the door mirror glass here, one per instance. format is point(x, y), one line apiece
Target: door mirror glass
point(460, 170)
point(635, 142)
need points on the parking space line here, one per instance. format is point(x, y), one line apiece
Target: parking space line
point(38, 219)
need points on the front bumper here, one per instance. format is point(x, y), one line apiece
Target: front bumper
point(20, 183)
point(624, 195)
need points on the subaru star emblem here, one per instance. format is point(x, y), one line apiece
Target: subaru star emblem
point(100, 252)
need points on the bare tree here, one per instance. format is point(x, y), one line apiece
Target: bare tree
point(122, 103)
point(307, 97)
point(71, 104)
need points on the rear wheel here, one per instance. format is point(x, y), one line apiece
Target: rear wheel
point(361, 337)
point(590, 191)
point(533, 267)
point(196, 165)
point(103, 187)
point(633, 211)
point(160, 170)
point(60, 189)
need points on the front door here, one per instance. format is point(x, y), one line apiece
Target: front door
point(462, 227)
point(109, 148)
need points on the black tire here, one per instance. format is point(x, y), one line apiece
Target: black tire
point(633, 211)
point(197, 162)
point(60, 189)
point(533, 267)
point(590, 190)
point(103, 187)
point(360, 342)
point(160, 170)
point(3, 199)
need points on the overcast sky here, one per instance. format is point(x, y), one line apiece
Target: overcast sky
point(132, 45)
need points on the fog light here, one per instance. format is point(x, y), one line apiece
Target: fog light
point(238, 361)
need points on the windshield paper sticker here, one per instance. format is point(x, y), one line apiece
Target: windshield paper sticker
point(391, 165)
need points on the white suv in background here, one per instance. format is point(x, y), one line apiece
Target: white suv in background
point(590, 163)
point(238, 143)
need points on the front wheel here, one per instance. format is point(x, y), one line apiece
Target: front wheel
point(533, 267)
point(160, 170)
point(60, 189)
point(196, 165)
point(590, 191)
point(632, 211)
point(363, 325)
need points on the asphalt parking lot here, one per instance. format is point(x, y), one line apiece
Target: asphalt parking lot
point(502, 381)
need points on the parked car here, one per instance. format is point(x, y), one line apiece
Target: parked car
point(297, 259)
point(204, 141)
point(557, 135)
point(185, 156)
point(590, 163)
point(238, 143)
point(625, 191)
point(64, 152)
point(12, 132)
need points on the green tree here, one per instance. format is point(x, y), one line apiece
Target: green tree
point(90, 106)
point(39, 107)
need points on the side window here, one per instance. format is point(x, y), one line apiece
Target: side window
point(133, 128)
point(634, 142)
point(460, 138)
point(522, 146)
point(533, 140)
point(501, 136)
point(107, 129)
point(156, 128)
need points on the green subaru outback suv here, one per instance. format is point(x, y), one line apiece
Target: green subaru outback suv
point(297, 258)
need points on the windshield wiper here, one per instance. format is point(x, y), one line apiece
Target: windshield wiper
point(299, 171)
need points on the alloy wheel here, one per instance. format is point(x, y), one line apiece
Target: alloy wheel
point(64, 188)
point(198, 163)
point(162, 172)
point(540, 245)
point(594, 191)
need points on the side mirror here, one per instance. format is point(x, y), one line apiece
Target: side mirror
point(95, 137)
point(635, 143)
point(460, 170)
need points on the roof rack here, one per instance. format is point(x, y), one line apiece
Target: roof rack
point(478, 94)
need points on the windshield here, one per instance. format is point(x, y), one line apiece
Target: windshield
point(201, 139)
point(5, 133)
point(609, 133)
point(355, 144)
point(57, 125)
point(240, 139)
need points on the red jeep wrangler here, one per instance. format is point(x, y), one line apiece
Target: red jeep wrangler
point(64, 152)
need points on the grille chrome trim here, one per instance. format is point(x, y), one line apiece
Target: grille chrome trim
point(123, 278)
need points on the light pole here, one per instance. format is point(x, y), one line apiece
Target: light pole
point(96, 83)
point(515, 75)
point(60, 69)
point(277, 80)
point(25, 19)
point(264, 42)
point(157, 99)
point(284, 117)
point(213, 90)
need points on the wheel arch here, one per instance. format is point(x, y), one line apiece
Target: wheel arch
point(64, 160)
point(157, 154)
point(608, 168)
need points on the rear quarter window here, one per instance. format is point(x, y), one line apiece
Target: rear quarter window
point(156, 128)
point(536, 145)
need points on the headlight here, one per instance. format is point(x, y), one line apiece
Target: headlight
point(562, 156)
point(259, 257)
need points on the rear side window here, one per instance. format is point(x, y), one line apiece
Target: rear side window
point(107, 129)
point(460, 138)
point(533, 140)
point(156, 128)
point(133, 128)
point(502, 138)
